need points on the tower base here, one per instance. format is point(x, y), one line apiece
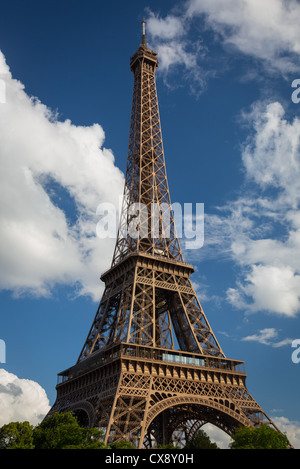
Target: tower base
point(157, 396)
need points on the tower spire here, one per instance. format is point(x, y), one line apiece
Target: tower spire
point(144, 32)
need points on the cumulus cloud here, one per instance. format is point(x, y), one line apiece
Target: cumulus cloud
point(272, 155)
point(21, 400)
point(217, 435)
point(268, 336)
point(267, 31)
point(166, 28)
point(268, 288)
point(44, 163)
point(271, 158)
point(290, 428)
point(260, 229)
point(177, 53)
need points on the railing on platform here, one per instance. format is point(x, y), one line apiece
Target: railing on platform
point(125, 350)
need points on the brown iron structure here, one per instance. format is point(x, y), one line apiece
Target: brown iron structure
point(151, 370)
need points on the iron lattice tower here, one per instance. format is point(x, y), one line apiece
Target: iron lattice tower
point(151, 369)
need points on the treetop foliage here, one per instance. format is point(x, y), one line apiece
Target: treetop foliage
point(62, 431)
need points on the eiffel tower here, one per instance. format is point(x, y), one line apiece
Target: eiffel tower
point(151, 370)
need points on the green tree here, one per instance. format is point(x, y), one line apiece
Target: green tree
point(124, 444)
point(16, 435)
point(62, 431)
point(167, 446)
point(263, 437)
point(200, 440)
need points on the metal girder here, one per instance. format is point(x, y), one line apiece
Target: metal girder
point(146, 181)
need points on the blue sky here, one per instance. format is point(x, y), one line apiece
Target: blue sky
point(231, 139)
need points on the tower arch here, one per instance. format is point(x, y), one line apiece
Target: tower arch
point(188, 414)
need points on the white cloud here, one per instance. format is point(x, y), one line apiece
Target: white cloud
point(39, 245)
point(217, 436)
point(175, 53)
point(260, 230)
point(272, 155)
point(271, 269)
point(270, 288)
point(169, 28)
point(290, 428)
point(268, 336)
point(21, 400)
point(168, 36)
point(267, 30)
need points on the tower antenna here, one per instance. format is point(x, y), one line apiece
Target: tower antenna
point(144, 32)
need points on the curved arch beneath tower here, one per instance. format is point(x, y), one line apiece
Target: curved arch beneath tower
point(188, 414)
point(85, 413)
